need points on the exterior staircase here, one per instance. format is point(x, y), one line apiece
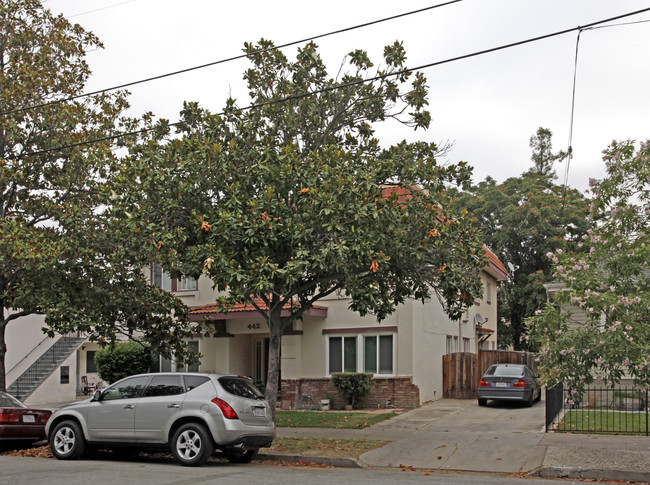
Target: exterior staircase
point(44, 366)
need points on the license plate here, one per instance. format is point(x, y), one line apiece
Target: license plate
point(29, 418)
point(501, 384)
point(259, 412)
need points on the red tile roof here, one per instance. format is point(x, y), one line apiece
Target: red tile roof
point(246, 310)
point(496, 265)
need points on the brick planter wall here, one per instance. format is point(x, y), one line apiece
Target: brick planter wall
point(400, 391)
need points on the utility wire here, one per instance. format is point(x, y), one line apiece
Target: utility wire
point(355, 83)
point(229, 59)
point(573, 93)
point(573, 107)
point(99, 9)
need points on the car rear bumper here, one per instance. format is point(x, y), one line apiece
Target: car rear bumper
point(22, 432)
point(505, 394)
point(249, 442)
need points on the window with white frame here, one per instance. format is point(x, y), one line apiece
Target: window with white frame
point(366, 353)
point(465, 344)
point(170, 365)
point(162, 280)
point(378, 354)
point(448, 347)
point(343, 354)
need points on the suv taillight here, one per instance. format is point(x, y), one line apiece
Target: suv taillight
point(226, 409)
point(519, 383)
point(484, 383)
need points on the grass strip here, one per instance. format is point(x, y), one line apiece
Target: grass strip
point(329, 419)
point(591, 421)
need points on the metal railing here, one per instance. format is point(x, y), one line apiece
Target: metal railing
point(43, 367)
point(621, 410)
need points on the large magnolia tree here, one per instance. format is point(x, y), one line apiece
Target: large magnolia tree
point(295, 199)
point(59, 255)
point(598, 325)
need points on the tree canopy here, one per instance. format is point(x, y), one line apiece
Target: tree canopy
point(59, 255)
point(598, 325)
point(295, 199)
point(522, 219)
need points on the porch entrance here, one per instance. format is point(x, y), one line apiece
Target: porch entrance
point(260, 360)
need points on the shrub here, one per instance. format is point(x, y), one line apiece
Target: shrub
point(353, 387)
point(122, 360)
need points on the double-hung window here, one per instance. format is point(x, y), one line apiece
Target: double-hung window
point(378, 354)
point(373, 354)
point(343, 354)
point(162, 280)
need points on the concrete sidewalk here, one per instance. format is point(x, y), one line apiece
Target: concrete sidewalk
point(461, 436)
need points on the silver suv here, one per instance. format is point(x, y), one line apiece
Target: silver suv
point(190, 413)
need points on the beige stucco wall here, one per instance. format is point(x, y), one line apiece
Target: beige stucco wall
point(25, 343)
point(52, 391)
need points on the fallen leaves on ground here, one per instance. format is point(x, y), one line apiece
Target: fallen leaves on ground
point(33, 452)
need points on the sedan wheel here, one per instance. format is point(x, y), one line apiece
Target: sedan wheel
point(191, 445)
point(67, 441)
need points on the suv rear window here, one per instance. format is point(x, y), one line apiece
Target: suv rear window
point(192, 382)
point(240, 387)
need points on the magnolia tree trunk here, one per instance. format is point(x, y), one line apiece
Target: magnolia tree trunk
point(273, 373)
point(3, 350)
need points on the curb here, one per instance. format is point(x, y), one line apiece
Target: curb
point(593, 474)
point(318, 460)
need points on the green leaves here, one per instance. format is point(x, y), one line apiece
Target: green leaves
point(598, 327)
point(64, 252)
point(301, 199)
point(522, 219)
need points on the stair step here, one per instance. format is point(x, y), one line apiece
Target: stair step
point(40, 370)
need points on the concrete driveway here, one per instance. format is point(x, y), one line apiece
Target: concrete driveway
point(460, 435)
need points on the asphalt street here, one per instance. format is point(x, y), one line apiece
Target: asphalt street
point(31, 471)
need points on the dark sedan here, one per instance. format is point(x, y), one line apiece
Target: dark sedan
point(509, 382)
point(19, 422)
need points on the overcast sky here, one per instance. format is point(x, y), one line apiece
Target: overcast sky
point(488, 106)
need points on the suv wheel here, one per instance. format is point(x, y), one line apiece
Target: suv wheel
point(67, 441)
point(191, 445)
point(242, 456)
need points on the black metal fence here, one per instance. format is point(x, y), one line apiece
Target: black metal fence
point(554, 400)
point(622, 410)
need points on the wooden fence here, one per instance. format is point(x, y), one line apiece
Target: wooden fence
point(462, 371)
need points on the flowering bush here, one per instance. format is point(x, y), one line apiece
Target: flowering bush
point(597, 326)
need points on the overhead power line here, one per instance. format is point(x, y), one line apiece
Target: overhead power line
point(362, 81)
point(573, 93)
point(223, 61)
point(99, 9)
